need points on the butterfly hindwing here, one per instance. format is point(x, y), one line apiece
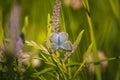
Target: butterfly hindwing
point(54, 46)
point(67, 46)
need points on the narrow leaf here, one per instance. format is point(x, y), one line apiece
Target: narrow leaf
point(76, 43)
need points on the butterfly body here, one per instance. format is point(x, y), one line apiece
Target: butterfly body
point(59, 42)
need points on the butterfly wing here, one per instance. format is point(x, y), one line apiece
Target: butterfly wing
point(54, 41)
point(54, 46)
point(63, 37)
point(67, 46)
point(54, 38)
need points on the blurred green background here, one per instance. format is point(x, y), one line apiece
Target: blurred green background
point(105, 16)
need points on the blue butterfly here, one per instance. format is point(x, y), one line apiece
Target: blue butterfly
point(59, 40)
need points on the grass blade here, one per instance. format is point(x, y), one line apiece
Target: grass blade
point(76, 43)
point(84, 61)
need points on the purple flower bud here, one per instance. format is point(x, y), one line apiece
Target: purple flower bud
point(55, 16)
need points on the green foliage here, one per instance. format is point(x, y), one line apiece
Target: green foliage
point(93, 27)
point(58, 65)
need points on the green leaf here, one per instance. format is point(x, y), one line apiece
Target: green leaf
point(36, 46)
point(76, 43)
point(25, 25)
point(44, 71)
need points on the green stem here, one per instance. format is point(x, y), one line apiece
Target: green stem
point(69, 70)
point(1, 30)
point(93, 62)
point(59, 70)
point(108, 59)
point(95, 53)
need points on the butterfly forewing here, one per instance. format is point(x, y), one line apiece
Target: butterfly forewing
point(63, 37)
point(54, 38)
